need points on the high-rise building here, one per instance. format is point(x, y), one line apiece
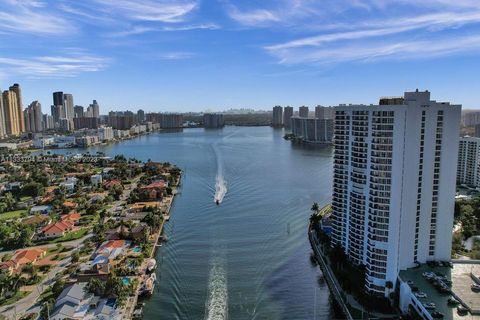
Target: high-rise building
point(86, 123)
point(14, 122)
point(105, 133)
point(394, 184)
point(95, 109)
point(78, 112)
point(303, 112)
point(68, 106)
point(56, 112)
point(47, 121)
point(3, 124)
point(66, 125)
point(122, 120)
point(277, 116)
point(213, 120)
point(62, 106)
point(33, 117)
point(324, 112)
point(58, 98)
point(312, 130)
point(166, 120)
point(18, 92)
point(141, 116)
point(468, 170)
point(287, 116)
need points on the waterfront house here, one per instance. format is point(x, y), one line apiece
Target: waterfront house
point(141, 206)
point(138, 231)
point(72, 303)
point(152, 191)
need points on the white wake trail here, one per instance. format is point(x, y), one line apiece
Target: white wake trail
point(220, 184)
point(217, 304)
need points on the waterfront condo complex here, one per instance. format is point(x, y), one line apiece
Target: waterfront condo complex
point(394, 184)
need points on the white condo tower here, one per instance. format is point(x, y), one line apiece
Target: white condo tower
point(394, 184)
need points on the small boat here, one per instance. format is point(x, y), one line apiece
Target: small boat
point(151, 265)
point(217, 202)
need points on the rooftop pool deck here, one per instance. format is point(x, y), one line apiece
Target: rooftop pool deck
point(461, 287)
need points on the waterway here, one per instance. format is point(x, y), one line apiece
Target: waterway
point(247, 257)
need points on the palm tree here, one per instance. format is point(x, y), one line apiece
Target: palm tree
point(315, 207)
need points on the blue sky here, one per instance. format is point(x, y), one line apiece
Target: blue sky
point(194, 55)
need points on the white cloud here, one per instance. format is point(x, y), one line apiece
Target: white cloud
point(174, 55)
point(31, 17)
point(148, 10)
point(253, 17)
point(376, 51)
point(52, 66)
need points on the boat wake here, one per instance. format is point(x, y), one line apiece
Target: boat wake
point(220, 184)
point(217, 303)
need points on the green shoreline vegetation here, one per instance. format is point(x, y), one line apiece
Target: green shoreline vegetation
point(71, 194)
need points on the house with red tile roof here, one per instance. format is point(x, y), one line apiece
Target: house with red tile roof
point(152, 191)
point(70, 204)
point(22, 258)
point(72, 217)
point(111, 183)
point(55, 230)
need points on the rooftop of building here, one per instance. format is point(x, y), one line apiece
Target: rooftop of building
point(461, 288)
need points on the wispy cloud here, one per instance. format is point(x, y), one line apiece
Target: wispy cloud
point(255, 17)
point(370, 39)
point(167, 11)
point(174, 55)
point(369, 52)
point(31, 17)
point(52, 66)
point(201, 26)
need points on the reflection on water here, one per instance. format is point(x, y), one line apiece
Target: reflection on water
point(248, 258)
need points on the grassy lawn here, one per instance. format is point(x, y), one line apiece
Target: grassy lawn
point(17, 296)
point(68, 237)
point(12, 214)
point(25, 198)
point(72, 236)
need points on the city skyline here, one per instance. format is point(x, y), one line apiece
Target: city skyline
point(191, 55)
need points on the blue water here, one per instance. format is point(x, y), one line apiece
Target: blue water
point(249, 257)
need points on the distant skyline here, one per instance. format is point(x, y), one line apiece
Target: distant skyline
point(196, 55)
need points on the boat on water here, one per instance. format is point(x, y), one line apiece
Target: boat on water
point(149, 285)
point(217, 202)
point(151, 265)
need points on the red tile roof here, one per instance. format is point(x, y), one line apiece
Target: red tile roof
point(58, 227)
point(28, 255)
point(74, 216)
point(155, 185)
point(111, 183)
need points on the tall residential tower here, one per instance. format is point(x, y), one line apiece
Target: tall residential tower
point(394, 184)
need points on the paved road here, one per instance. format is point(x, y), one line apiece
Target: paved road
point(72, 243)
point(28, 304)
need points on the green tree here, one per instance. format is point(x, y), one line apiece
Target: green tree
point(96, 287)
point(33, 189)
point(10, 201)
point(75, 257)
